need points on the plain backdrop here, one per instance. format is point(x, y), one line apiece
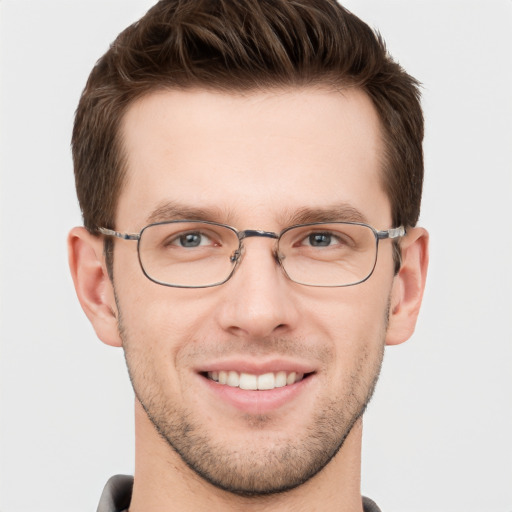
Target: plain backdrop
point(438, 431)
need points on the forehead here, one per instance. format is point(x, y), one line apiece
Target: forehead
point(251, 158)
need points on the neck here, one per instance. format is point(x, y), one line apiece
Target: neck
point(164, 482)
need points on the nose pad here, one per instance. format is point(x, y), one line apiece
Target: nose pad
point(236, 257)
point(279, 256)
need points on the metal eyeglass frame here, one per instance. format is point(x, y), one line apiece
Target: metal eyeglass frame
point(391, 234)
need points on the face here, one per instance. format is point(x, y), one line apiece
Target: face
point(256, 161)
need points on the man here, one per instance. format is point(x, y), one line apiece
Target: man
point(250, 175)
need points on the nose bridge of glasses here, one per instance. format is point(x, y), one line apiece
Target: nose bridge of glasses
point(255, 233)
point(251, 233)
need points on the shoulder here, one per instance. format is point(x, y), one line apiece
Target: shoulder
point(117, 494)
point(369, 505)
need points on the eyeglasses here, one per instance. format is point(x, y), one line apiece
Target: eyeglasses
point(192, 254)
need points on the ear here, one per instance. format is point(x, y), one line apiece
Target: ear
point(408, 287)
point(92, 284)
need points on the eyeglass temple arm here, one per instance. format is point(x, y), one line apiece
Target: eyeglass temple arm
point(391, 233)
point(124, 236)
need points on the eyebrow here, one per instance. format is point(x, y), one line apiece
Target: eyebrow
point(342, 212)
point(170, 210)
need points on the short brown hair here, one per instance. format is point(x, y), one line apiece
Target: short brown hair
point(243, 45)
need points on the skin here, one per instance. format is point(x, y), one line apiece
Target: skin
point(253, 161)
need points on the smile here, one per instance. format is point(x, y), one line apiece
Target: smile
point(248, 381)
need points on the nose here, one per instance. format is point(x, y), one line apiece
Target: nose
point(259, 299)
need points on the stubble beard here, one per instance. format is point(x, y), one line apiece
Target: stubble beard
point(283, 463)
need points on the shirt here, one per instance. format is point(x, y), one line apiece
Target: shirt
point(117, 494)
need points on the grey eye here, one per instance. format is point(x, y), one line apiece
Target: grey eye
point(320, 239)
point(191, 239)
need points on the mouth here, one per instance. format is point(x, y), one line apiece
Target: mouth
point(257, 389)
point(253, 382)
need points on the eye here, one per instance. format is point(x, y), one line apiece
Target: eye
point(191, 239)
point(323, 239)
point(319, 239)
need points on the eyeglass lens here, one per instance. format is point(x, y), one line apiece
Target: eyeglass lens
point(196, 254)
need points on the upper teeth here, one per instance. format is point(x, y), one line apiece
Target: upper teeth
point(254, 382)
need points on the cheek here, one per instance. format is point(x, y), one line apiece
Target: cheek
point(355, 321)
point(361, 308)
point(153, 333)
point(159, 321)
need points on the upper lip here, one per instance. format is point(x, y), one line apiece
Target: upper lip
point(257, 367)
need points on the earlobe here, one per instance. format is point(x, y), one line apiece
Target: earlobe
point(408, 287)
point(92, 284)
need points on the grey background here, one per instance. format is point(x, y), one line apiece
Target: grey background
point(437, 434)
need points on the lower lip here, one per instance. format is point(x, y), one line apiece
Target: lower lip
point(257, 402)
